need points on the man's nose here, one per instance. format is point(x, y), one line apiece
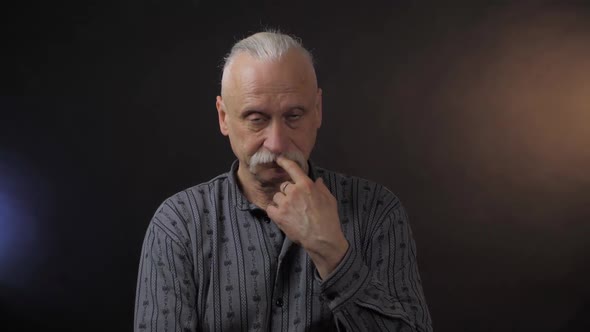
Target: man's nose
point(277, 140)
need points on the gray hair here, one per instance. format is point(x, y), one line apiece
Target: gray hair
point(266, 46)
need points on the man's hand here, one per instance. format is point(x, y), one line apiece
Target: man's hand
point(307, 213)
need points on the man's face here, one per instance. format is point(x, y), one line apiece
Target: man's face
point(270, 107)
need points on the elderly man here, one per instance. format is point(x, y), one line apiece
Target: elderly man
point(278, 243)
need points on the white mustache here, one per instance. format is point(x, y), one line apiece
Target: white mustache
point(263, 156)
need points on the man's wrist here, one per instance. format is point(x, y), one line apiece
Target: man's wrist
point(328, 257)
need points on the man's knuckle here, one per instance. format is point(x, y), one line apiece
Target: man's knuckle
point(306, 185)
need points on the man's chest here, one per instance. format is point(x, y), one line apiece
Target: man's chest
point(251, 278)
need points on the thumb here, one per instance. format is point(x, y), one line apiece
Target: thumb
point(271, 211)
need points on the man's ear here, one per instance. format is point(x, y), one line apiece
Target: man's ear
point(221, 113)
point(318, 108)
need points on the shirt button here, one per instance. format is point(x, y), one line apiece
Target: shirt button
point(279, 302)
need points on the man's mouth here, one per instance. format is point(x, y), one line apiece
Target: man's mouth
point(270, 164)
point(274, 166)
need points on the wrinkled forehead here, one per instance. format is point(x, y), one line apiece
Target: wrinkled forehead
point(293, 71)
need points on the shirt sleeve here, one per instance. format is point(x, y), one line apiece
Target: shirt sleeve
point(379, 289)
point(165, 287)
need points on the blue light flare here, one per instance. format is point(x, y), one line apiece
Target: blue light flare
point(19, 225)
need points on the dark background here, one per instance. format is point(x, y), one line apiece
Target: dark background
point(477, 116)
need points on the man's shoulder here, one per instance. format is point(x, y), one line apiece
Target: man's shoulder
point(342, 181)
point(202, 189)
point(177, 211)
point(325, 172)
point(194, 193)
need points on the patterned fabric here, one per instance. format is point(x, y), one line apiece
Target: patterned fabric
point(212, 261)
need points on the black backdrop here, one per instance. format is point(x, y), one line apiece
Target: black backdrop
point(476, 116)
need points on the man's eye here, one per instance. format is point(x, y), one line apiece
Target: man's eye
point(256, 119)
point(293, 117)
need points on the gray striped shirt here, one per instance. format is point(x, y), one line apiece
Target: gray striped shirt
point(213, 261)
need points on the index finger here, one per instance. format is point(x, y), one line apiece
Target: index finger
point(292, 168)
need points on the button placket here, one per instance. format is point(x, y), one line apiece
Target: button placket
point(279, 302)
